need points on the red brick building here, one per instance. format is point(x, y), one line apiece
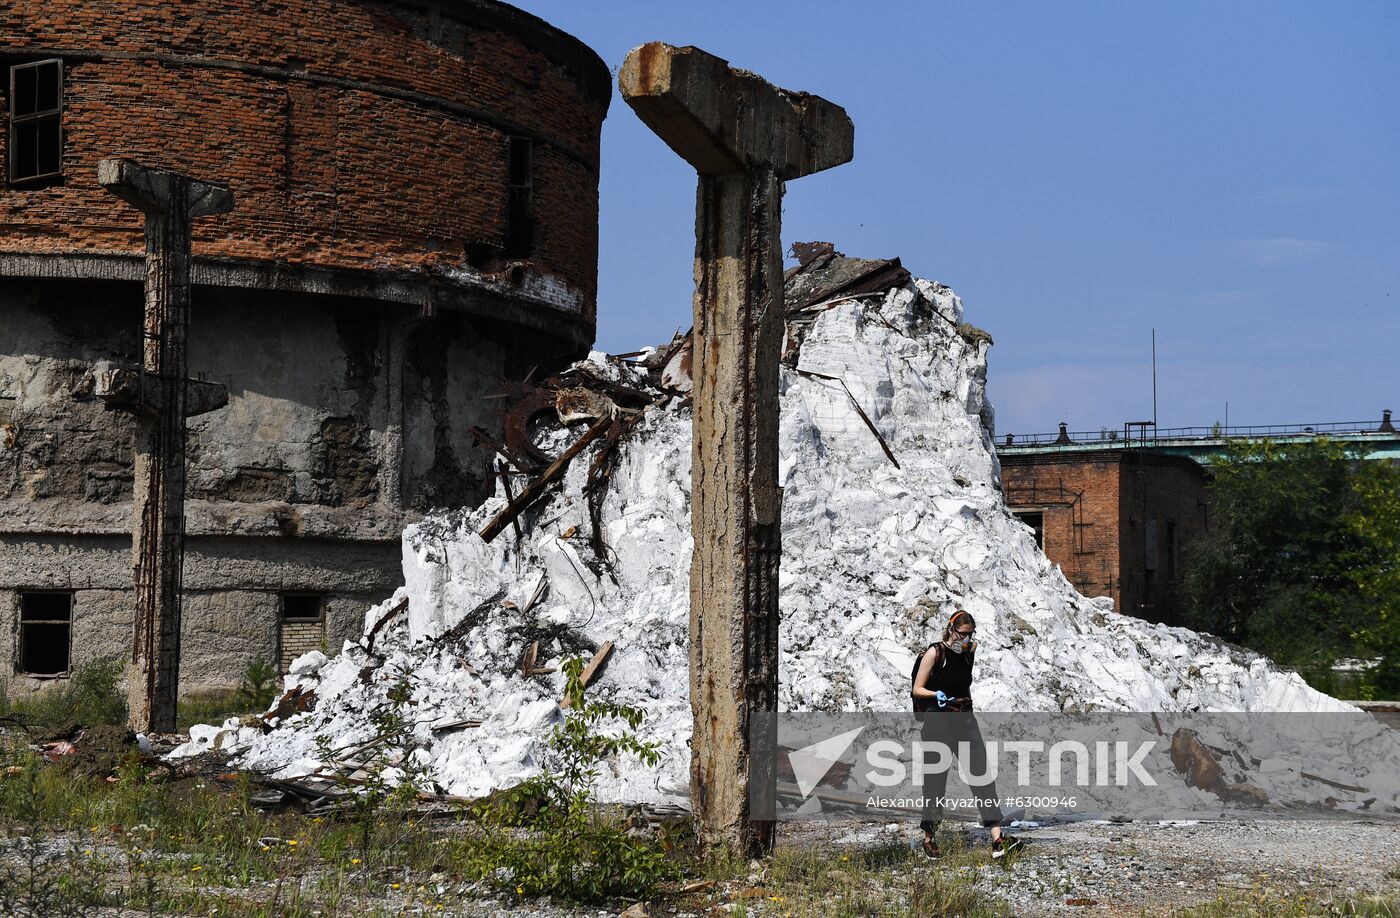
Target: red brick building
point(1114, 519)
point(448, 146)
point(415, 227)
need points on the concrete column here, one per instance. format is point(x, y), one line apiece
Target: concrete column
point(170, 201)
point(745, 137)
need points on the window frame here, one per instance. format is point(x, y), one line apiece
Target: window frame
point(23, 624)
point(282, 616)
point(283, 661)
point(17, 121)
point(520, 227)
point(1021, 513)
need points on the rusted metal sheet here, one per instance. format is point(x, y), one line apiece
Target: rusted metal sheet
point(831, 275)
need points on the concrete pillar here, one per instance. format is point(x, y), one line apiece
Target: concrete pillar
point(745, 138)
point(164, 398)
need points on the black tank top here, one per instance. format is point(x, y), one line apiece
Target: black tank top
point(953, 675)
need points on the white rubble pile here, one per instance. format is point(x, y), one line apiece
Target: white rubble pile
point(874, 558)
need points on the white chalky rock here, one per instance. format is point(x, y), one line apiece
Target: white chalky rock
point(307, 664)
point(874, 559)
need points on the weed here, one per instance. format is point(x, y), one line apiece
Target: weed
point(383, 770)
point(545, 836)
point(1262, 903)
point(259, 685)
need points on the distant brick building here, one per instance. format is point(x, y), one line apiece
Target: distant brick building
point(416, 187)
point(1114, 519)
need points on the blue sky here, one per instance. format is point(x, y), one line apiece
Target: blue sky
point(1080, 173)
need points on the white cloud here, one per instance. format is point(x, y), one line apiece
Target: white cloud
point(1269, 252)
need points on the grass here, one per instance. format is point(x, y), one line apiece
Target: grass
point(886, 880)
point(91, 696)
point(211, 708)
point(1271, 904)
point(196, 846)
point(70, 844)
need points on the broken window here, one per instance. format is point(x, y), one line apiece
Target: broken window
point(520, 223)
point(36, 112)
point(45, 632)
point(303, 626)
point(1036, 520)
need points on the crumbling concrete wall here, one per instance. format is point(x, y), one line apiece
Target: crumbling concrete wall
point(346, 419)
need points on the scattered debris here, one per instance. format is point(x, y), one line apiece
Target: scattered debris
point(536, 488)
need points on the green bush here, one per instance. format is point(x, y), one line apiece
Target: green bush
point(546, 836)
point(90, 697)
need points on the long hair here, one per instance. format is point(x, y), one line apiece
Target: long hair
point(958, 617)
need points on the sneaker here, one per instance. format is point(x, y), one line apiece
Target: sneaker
point(1004, 844)
point(931, 848)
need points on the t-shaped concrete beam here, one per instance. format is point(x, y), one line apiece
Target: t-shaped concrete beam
point(745, 137)
point(158, 191)
point(722, 119)
point(170, 201)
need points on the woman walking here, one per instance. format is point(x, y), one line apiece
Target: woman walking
point(943, 686)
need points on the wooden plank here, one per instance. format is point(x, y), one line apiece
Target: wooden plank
point(532, 492)
point(594, 665)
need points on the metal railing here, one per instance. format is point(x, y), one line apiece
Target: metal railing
point(1141, 433)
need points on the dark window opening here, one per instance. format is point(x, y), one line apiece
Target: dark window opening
point(520, 221)
point(1035, 520)
point(45, 632)
point(1173, 551)
point(302, 628)
point(302, 606)
point(36, 115)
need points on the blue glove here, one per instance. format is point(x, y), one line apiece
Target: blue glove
point(942, 699)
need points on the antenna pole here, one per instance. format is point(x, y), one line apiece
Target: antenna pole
point(1154, 382)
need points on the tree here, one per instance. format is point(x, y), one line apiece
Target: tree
point(1377, 573)
point(1294, 537)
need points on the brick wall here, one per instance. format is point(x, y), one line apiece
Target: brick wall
point(299, 637)
point(1099, 507)
point(1079, 496)
point(355, 135)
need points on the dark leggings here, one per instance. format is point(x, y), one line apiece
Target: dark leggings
point(952, 728)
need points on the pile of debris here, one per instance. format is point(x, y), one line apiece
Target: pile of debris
point(892, 516)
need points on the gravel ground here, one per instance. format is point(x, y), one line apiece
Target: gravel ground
point(1120, 869)
point(1151, 868)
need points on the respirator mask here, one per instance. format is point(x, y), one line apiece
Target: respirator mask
point(961, 643)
